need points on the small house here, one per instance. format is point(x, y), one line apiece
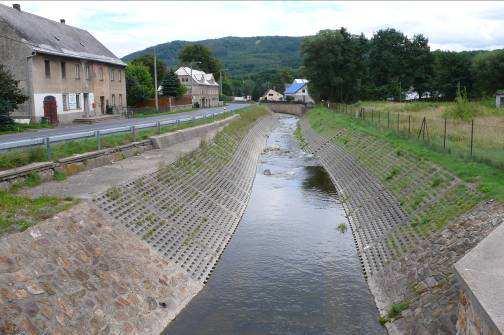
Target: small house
point(272, 95)
point(298, 91)
point(499, 98)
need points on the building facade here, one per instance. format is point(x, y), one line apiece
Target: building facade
point(201, 86)
point(298, 91)
point(65, 72)
point(271, 95)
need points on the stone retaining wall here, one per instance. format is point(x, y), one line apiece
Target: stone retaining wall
point(129, 266)
point(405, 258)
point(90, 160)
point(286, 108)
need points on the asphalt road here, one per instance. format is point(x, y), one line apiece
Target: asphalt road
point(75, 128)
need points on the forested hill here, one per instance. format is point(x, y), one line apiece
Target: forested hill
point(240, 55)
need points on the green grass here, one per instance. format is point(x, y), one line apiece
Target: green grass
point(59, 175)
point(16, 158)
point(18, 212)
point(19, 128)
point(488, 178)
point(153, 112)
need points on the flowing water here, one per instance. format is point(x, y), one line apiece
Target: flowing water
point(288, 269)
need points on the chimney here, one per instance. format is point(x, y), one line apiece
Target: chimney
point(17, 6)
point(62, 21)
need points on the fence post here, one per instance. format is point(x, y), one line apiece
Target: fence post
point(372, 115)
point(379, 118)
point(158, 124)
point(48, 148)
point(388, 119)
point(444, 135)
point(133, 133)
point(409, 124)
point(397, 122)
point(98, 140)
point(472, 136)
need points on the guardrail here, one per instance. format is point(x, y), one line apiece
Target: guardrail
point(48, 140)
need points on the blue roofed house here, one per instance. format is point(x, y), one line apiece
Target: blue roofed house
point(298, 91)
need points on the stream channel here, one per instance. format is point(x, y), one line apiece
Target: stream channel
point(291, 267)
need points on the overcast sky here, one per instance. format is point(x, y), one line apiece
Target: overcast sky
point(129, 26)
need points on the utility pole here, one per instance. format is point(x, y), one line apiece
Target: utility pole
point(220, 82)
point(155, 81)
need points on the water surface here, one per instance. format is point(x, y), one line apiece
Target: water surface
point(288, 269)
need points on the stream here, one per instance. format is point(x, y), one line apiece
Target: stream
point(292, 266)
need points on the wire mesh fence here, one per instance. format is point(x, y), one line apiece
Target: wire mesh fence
point(475, 139)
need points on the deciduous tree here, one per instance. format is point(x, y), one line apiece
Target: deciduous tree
point(11, 96)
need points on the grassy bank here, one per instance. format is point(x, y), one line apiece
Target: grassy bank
point(19, 128)
point(467, 129)
point(152, 112)
point(405, 166)
point(16, 158)
point(18, 212)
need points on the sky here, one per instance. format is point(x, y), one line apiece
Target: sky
point(125, 27)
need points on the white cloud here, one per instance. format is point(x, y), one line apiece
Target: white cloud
point(125, 27)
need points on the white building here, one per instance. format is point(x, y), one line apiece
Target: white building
point(298, 91)
point(271, 95)
point(200, 85)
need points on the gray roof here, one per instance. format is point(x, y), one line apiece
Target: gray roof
point(50, 37)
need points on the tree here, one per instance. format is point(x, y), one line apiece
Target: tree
point(450, 70)
point(139, 84)
point(199, 53)
point(420, 63)
point(172, 86)
point(11, 96)
point(488, 70)
point(388, 63)
point(334, 62)
point(148, 61)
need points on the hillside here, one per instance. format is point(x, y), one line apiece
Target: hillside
point(240, 55)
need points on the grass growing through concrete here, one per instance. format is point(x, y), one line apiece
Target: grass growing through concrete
point(16, 158)
point(431, 196)
point(489, 179)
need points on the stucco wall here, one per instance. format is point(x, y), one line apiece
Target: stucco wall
point(16, 57)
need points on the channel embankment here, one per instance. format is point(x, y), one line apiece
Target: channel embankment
point(129, 258)
point(412, 220)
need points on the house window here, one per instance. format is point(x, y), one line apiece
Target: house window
point(47, 68)
point(86, 71)
point(120, 100)
point(63, 70)
point(111, 74)
point(65, 101)
point(77, 101)
point(77, 71)
point(100, 72)
point(119, 74)
point(304, 91)
point(113, 100)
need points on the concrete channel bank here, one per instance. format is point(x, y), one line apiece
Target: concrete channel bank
point(409, 271)
point(131, 256)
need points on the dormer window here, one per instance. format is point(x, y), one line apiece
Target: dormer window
point(81, 44)
point(56, 38)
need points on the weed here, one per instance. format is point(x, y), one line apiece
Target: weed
point(392, 173)
point(59, 175)
point(342, 227)
point(33, 179)
point(436, 181)
point(113, 193)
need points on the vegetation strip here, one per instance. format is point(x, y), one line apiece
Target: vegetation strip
point(16, 158)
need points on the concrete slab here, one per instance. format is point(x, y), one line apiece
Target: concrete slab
point(482, 272)
point(85, 184)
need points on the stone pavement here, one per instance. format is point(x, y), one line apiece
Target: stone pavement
point(78, 273)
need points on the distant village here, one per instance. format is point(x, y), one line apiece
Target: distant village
point(69, 76)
